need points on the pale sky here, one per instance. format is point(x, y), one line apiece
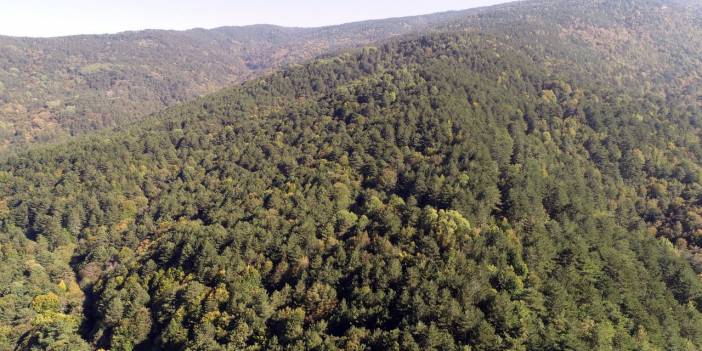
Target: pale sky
point(48, 18)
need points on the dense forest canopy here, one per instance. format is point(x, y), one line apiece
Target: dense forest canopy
point(526, 180)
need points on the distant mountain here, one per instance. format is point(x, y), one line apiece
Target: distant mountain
point(57, 87)
point(522, 177)
point(52, 88)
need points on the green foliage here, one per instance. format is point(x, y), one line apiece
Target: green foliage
point(454, 191)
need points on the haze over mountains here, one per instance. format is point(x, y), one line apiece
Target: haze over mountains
point(519, 177)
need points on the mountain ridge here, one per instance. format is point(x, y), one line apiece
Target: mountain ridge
point(56, 87)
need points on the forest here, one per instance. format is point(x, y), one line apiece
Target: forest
point(54, 88)
point(528, 180)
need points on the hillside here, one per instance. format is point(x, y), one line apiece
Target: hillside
point(527, 179)
point(57, 87)
point(54, 88)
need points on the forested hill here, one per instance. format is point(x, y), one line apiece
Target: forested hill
point(523, 185)
point(56, 87)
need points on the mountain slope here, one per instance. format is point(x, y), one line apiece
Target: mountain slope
point(55, 87)
point(463, 190)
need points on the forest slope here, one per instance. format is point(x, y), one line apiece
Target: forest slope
point(510, 190)
point(55, 87)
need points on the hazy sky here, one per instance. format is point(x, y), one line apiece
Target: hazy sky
point(44, 18)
